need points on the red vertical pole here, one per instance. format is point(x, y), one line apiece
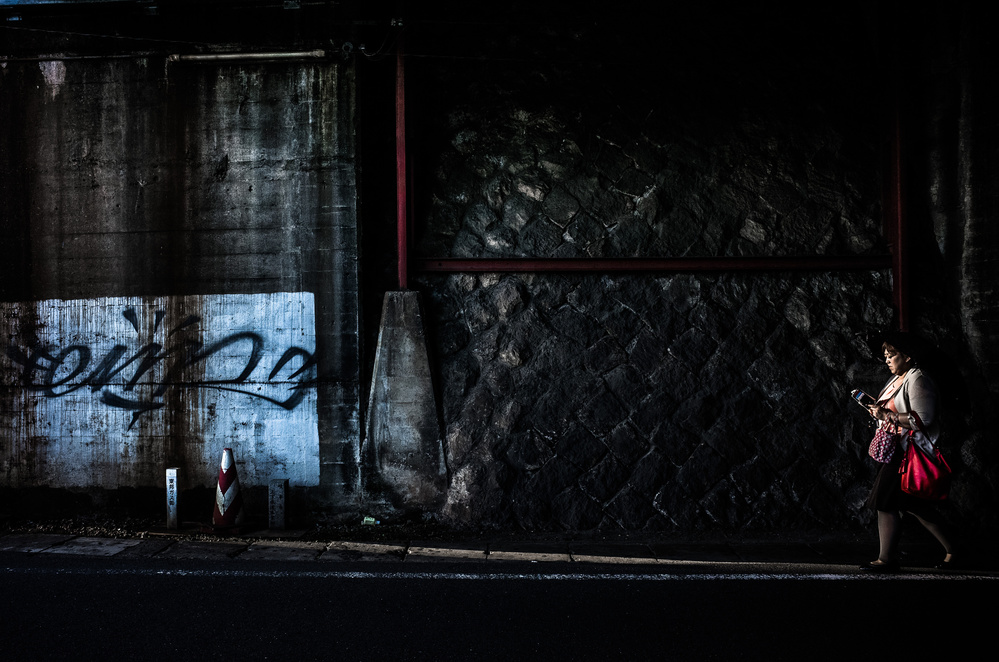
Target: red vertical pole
point(402, 220)
point(898, 231)
point(894, 218)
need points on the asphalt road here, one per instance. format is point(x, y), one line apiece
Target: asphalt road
point(57, 607)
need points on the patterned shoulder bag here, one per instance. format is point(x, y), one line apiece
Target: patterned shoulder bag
point(884, 443)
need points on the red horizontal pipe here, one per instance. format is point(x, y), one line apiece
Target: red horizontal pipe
point(692, 264)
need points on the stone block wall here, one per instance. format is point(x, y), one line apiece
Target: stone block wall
point(655, 401)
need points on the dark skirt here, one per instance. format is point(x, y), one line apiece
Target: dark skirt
point(886, 494)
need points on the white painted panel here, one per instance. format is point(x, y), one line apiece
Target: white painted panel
point(109, 392)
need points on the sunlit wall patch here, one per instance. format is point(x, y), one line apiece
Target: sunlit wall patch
point(107, 392)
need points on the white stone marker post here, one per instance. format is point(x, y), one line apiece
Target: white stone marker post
point(172, 497)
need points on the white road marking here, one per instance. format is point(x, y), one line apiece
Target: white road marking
point(496, 576)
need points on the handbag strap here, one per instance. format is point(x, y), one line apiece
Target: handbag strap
point(919, 424)
point(890, 395)
point(922, 428)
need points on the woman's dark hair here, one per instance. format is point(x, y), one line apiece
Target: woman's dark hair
point(905, 343)
point(885, 346)
point(933, 362)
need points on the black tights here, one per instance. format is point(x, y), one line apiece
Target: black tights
point(890, 531)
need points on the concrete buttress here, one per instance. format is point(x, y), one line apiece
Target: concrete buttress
point(404, 452)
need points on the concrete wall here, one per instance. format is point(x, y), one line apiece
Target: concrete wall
point(181, 241)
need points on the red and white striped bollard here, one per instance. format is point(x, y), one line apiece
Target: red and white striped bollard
point(228, 512)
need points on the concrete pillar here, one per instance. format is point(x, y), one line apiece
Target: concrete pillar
point(404, 451)
point(277, 497)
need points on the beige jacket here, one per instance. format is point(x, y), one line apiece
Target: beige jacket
point(917, 397)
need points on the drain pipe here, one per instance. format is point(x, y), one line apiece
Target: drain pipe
point(403, 443)
point(401, 193)
point(897, 233)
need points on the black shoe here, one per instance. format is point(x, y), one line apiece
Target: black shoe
point(880, 566)
point(953, 564)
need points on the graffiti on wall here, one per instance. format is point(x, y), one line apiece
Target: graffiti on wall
point(58, 371)
point(238, 370)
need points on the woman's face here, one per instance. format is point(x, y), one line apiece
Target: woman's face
point(898, 363)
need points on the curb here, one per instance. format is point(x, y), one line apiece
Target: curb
point(795, 558)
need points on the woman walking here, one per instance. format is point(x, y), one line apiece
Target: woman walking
point(910, 402)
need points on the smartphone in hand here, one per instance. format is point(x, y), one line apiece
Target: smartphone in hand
point(862, 398)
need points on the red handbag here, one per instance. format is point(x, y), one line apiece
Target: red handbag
point(922, 476)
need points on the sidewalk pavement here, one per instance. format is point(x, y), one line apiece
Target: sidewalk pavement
point(758, 556)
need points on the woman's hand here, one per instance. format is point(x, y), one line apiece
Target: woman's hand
point(878, 412)
point(882, 414)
